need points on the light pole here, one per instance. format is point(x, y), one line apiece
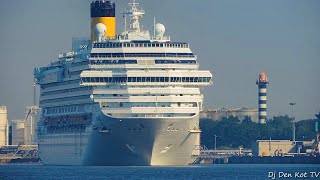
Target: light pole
point(293, 125)
point(215, 142)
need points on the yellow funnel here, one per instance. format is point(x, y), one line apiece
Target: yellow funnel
point(103, 12)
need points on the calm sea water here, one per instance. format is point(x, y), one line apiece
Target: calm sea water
point(216, 171)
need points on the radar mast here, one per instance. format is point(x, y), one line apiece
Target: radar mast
point(134, 14)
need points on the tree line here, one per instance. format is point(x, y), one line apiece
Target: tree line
point(233, 133)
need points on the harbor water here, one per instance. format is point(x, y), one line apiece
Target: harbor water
point(215, 171)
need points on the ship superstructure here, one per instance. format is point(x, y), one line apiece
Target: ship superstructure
point(127, 99)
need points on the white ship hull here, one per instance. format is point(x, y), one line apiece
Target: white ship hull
point(129, 99)
point(127, 142)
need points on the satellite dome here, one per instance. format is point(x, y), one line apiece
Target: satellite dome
point(100, 31)
point(160, 29)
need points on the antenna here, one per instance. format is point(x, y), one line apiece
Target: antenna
point(134, 4)
point(134, 14)
point(34, 92)
point(125, 23)
point(154, 26)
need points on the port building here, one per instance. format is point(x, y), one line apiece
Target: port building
point(4, 126)
point(18, 132)
point(284, 147)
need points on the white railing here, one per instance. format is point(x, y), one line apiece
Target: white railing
point(153, 66)
point(151, 110)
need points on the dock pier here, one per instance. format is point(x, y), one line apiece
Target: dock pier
point(19, 154)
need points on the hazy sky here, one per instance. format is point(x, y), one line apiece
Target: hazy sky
point(235, 39)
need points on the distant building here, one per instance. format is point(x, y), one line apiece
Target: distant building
point(273, 147)
point(4, 126)
point(241, 113)
point(18, 132)
point(24, 131)
point(10, 135)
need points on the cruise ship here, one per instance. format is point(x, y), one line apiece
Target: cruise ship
point(127, 99)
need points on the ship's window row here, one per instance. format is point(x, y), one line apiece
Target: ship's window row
point(65, 99)
point(68, 120)
point(66, 91)
point(120, 45)
point(58, 129)
point(150, 104)
point(121, 55)
point(175, 62)
point(80, 63)
point(135, 62)
point(137, 95)
point(179, 104)
point(60, 83)
point(115, 62)
point(155, 115)
point(67, 109)
point(145, 79)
